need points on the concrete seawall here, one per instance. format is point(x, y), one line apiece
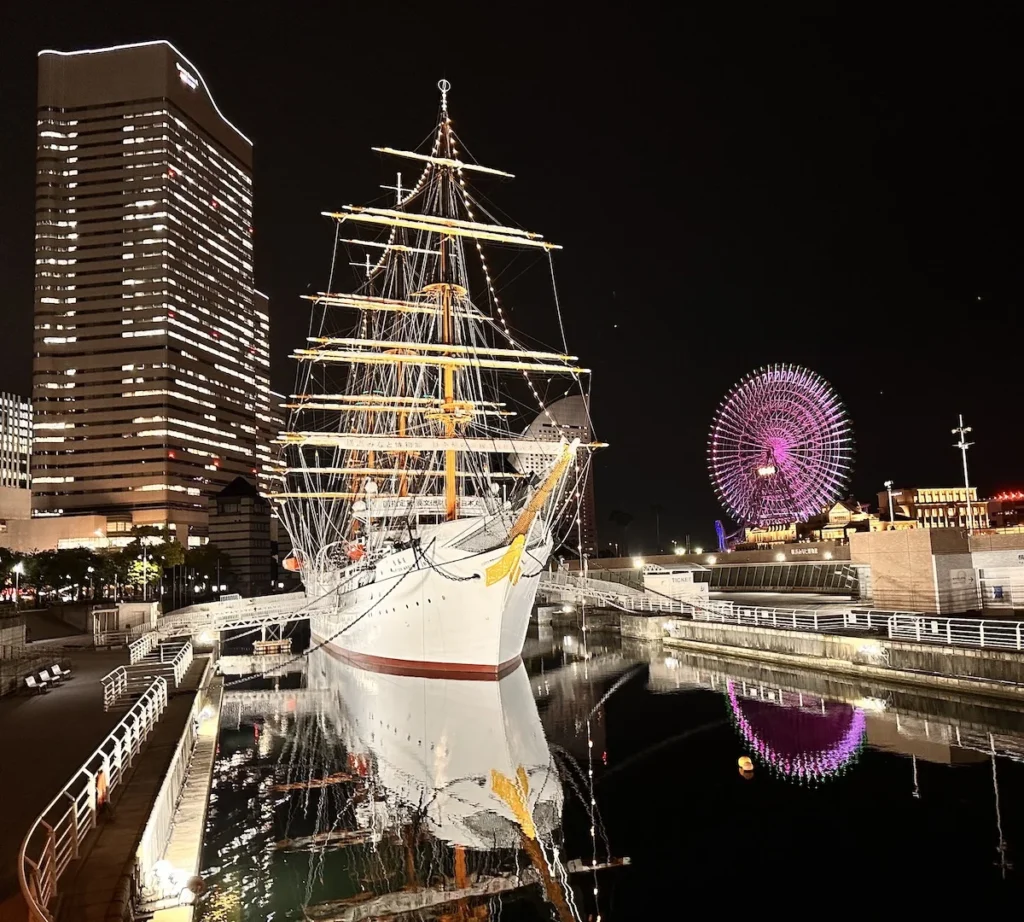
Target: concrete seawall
point(984, 672)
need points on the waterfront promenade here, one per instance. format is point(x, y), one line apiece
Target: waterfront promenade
point(102, 877)
point(46, 738)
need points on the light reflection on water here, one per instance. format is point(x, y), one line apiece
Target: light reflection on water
point(363, 795)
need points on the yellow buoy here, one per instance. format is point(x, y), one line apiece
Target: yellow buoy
point(745, 763)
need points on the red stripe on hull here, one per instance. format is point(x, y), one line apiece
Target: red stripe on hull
point(422, 669)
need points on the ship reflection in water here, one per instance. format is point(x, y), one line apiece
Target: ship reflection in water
point(364, 795)
point(367, 795)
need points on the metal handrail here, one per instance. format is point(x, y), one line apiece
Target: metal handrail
point(226, 615)
point(115, 684)
point(139, 649)
point(793, 619)
point(956, 632)
point(71, 815)
point(181, 663)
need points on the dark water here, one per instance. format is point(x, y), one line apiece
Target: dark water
point(859, 796)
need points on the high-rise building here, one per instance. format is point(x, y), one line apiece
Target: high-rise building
point(269, 422)
point(15, 452)
point(151, 351)
point(568, 418)
point(15, 442)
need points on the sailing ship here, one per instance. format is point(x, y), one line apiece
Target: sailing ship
point(420, 521)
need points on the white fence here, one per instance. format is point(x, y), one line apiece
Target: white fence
point(54, 840)
point(956, 632)
point(181, 662)
point(914, 626)
point(793, 619)
point(139, 649)
point(239, 613)
point(115, 684)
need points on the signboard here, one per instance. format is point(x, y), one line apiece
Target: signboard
point(188, 79)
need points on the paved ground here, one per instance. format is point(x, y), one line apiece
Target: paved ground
point(42, 626)
point(799, 600)
point(97, 886)
point(43, 741)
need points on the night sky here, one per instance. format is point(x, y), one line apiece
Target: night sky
point(843, 193)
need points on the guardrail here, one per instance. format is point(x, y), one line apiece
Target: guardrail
point(655, 604)
point(237, 613)
point(793, 619)
point(915, 626)
point(115, 684)
point(139, 649)
point(54, 840)
point(956, 632)
point(181, 662)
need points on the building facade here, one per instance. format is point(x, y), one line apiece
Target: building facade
point(1006, 509)
point(15, 459)
point(15, 442)
point(568, 418)
point(239, 524)
point(936, 507)
point(151, 347)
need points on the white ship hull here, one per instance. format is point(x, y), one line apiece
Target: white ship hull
point(440, 611)
point(437, 746)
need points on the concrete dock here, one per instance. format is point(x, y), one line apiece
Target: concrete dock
point(99, 885)
point(46, 738)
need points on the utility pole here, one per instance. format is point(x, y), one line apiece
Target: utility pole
point(892, 518)
point(963, 445)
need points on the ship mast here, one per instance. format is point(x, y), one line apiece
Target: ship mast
point(451, 501)
point(421, 369)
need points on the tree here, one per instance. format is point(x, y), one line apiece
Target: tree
point(141, 573)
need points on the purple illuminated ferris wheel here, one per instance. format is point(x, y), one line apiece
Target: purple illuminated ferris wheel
point(780, 447)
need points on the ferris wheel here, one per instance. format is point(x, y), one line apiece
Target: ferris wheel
point(780, 447)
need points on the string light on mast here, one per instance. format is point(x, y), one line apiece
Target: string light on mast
point(467, 203)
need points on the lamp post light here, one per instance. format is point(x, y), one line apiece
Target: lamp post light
point(963, 445)
point(145, 574)
point(92, 590)
point(888, 487)
point(19, 568)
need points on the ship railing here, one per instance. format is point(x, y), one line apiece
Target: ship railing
point(56, 836)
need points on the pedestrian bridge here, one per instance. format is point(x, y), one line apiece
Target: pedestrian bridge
point(284, 608)
point(262, 611)
point(567, 586)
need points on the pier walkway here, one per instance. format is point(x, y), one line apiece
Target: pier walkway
point(45, 739)
point(101, 878)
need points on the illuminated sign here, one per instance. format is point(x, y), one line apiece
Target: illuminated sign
point(187, 78)
point(803, 550)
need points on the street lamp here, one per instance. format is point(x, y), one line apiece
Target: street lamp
point(92, 591)
point(892, 519)
point(963, 445)
point(145, 574)
point(19, 568)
